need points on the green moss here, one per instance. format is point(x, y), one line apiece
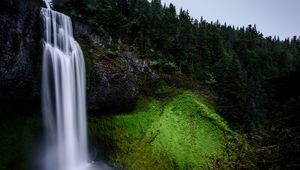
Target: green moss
point(185, 134)
point(179, 132)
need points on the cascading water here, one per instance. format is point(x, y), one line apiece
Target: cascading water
point(63, 95)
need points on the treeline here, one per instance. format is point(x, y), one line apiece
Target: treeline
point(252, 75)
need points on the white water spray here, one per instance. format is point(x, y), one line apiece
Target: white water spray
point(63, 95)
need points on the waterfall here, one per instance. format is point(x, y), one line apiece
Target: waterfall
point(63, 95)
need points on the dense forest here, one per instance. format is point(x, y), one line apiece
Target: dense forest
point(250, 80)
point(255, 77)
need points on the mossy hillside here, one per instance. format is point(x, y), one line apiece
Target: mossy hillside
point(189, 130)
point(178, 132)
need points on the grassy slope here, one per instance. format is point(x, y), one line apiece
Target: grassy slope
point(179, 132)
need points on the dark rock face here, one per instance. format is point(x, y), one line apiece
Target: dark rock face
point(117, 83)
point(84, 31)
point(20, 35)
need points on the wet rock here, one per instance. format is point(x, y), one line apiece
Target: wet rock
point(116, 83)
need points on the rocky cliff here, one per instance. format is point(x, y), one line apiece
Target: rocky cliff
point(20, 35)
point(114, 83)
point(117, 76)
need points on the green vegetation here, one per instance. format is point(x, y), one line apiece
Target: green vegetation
point(179, 132)
point(255, 78)
point(240, 64)
point(17, 141)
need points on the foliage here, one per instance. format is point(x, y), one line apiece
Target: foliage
point(278, 150)
point(239, 154)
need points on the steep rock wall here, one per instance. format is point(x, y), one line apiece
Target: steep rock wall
point(20, 35)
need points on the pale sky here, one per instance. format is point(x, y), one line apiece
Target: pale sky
point(272, 17)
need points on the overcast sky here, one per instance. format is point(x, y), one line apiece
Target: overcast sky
point(272, 17)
